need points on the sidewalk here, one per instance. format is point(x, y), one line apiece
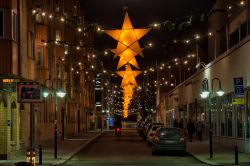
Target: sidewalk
point(221, 154)
point(66, 149)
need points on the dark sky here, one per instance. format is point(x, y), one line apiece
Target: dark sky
point(109, 13)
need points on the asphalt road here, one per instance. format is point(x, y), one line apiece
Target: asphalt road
point(129, 149)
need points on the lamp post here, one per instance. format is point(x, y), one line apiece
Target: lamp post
point(205, 93)
point(200, 64)
point(55, 92)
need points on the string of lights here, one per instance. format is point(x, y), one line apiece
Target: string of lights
point(174, 24)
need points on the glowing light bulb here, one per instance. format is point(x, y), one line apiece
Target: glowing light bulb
point(43, 14)
point(62, 19)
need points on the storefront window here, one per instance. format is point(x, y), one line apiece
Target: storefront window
point(222, 122)
point(226, 116)
point(248, 115)
point(240, 109)
point(192, 111)
point(229, 121)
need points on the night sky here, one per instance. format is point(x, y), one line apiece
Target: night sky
point(110, 13)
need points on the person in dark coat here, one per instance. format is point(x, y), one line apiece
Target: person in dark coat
point(199, 129)
point(191, 129)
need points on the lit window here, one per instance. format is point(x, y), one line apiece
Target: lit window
point(58, 35)
point(57, 6)
point(74, 10)
point(39, 56)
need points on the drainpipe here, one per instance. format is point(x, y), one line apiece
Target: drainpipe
point(19, 40)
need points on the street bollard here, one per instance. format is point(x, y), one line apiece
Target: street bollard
point(31, 156)
point(40, 154)
point(236, 153)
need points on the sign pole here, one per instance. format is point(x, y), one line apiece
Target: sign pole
point(31, 132)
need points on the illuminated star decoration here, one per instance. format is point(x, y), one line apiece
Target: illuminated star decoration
point(127, 49)
point(128, 76)
point(128, 84)
point(128, 46)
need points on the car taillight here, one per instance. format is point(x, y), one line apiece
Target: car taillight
point(117, 129)
point(182, 140)
point(156, 139)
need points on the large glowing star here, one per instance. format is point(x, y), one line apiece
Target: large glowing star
point(128, 76)
point(127, 56)
point(127, 38)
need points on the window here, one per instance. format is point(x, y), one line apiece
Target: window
point(226, 116)
point(243, 30)
point(39, 18)
point(30, 45)
point(14, 26)
point(74, 10)
point(222, 122)
point(58, 35)
point(39, 56)
point(248, 115)
point(234, 38)
point(214, 115)
point(57, 6)
point(1, 23)
point(240, 109)
point(13, 120)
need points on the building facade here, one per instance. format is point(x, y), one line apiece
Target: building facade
point(229, 47)
point(49, 42)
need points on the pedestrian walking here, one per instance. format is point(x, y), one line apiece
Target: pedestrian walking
point(199, 129)
point(176, 124)
point(191, 129)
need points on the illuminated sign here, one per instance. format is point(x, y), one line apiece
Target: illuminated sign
point(29, 92)
point(238, 101)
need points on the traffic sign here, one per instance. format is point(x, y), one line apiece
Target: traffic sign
point(238, 101)
point(239, 87)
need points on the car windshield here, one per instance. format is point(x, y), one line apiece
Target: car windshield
point(169, 133)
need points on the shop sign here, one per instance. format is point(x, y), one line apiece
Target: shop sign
point(238, 87)
point(238, 101)
point(29, 92)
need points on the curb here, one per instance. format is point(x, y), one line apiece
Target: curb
point(204, 161)
point(78, 149)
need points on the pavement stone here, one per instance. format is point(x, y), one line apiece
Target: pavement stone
point(66, 149)
point(221, 155)
point(70, 146)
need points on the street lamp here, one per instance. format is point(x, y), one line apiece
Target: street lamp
point(207, 94)
point(55, 92)
point(200, 64)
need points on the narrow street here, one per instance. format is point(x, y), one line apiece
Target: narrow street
point(129, 149)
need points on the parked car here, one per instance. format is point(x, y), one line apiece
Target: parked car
point(145, 129)
point(169, 139)
point(140, 128)
point(151, 132)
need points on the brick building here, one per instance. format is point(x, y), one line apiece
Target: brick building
point(39, 40)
